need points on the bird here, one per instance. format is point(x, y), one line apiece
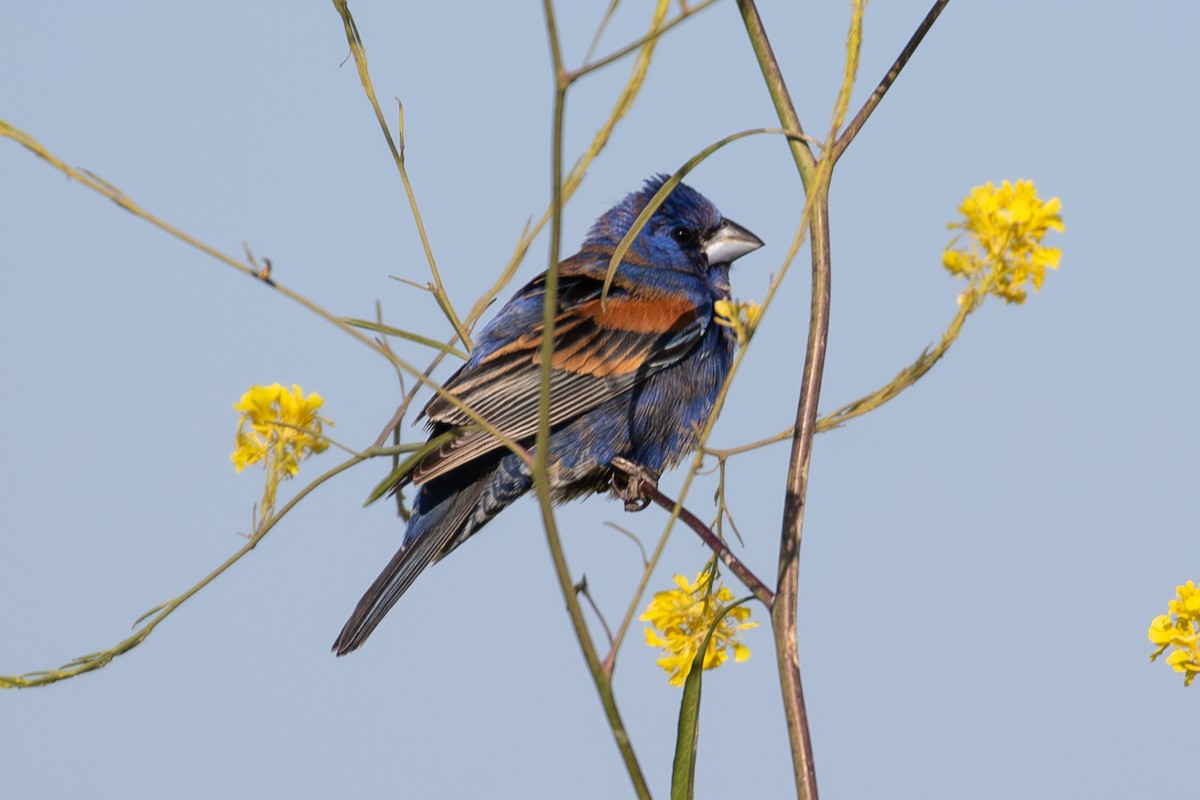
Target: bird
point(634, 376)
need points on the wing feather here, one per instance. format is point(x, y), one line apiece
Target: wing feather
point(599, 353)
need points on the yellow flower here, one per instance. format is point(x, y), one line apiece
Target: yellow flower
point(1005, 228)
point(681, 618)
point(280, 428)
point(1180, 629)
point(742, 317)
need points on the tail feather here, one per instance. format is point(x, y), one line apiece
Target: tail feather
point(430, 535)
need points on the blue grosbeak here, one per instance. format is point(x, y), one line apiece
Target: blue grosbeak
point(631, 381)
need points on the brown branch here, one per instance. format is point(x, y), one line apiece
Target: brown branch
point(860, 118)
point(783, 612)
point(815, 176)
point(736, 566)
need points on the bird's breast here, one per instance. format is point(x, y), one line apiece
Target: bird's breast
point(673, 406)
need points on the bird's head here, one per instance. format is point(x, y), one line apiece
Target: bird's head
point(686, 233)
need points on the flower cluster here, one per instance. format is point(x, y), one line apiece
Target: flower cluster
point(280, 428)
point(682, 618)
point(1005, 227)
point(742, 317)
point(1180, 629)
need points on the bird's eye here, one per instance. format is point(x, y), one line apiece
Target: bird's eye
point(683, 235)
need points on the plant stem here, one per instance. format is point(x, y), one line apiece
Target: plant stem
point(888, 79)
point(815, 175)
point(714, 542)
point(541, 478)
point(805, 161)
point(783, 612)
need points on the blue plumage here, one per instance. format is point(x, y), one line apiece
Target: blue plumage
point(634, 379)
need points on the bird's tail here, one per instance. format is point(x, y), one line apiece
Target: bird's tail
point(427, 537)
point(445, 513)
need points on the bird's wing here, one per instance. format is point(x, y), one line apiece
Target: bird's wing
point(599, 352)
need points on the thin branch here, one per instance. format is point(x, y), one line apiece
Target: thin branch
point(783, 616)
point(805, 161)
point(744, 574)
point(95, 661)
point(860, 118)
point(907, 377)
point(725, 453)
point(970, 301)
point(630, 535)
point(815, 176)
point(592, 66)
point(358, 49)
point(540, 468)
point(582, 588)
point(607, 18)
point(103, 187)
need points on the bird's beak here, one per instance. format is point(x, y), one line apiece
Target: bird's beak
point(729, 242)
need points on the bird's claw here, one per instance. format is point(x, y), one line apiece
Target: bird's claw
point(630, 483)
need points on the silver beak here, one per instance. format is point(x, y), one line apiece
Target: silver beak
point(729, 242)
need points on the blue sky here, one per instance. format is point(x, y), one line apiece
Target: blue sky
point(982, 556)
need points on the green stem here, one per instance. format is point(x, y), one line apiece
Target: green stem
point(95, 661)
point(541, 479)
point(360, 59)
point(908, 376)
point(592, 66)
point(805, 161)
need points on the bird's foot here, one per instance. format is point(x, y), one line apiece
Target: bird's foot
point(630, 483)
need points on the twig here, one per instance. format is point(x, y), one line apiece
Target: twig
point(860, 118)
point(582, 588)
point(95, 661)
point(744, 574)
point(592, 66)
point(540, 474)
point(815, 176)
point(358, 49)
